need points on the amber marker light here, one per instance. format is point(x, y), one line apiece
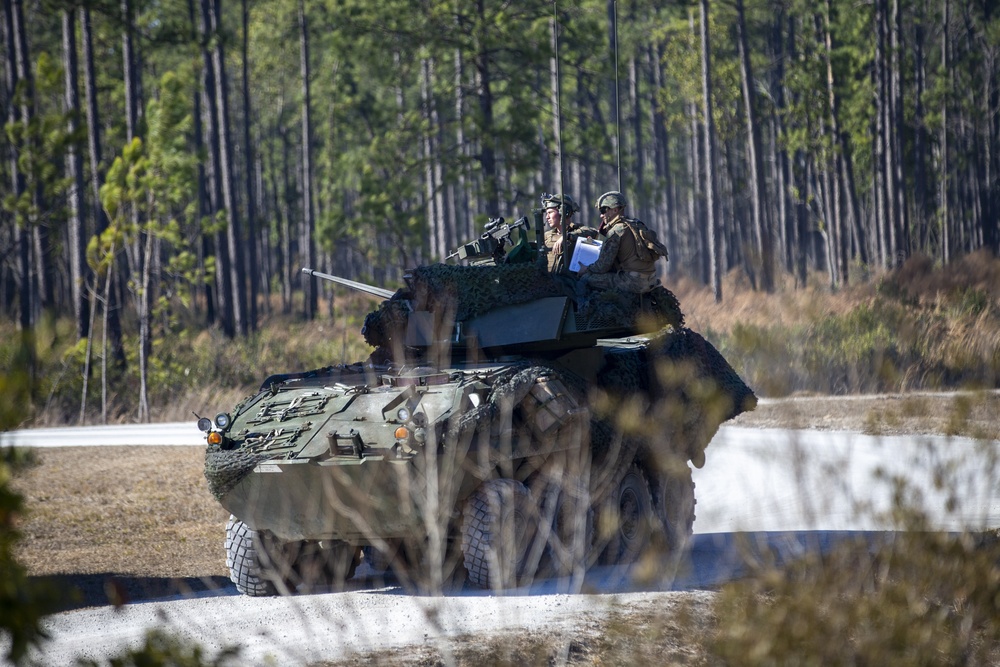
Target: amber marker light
point(402, 433)
point(215, 438)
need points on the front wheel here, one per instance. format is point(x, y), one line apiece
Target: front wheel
point(247, 560)
point(261, 565)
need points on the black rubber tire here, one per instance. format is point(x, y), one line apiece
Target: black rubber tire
point(497, 533)
point(627, 519)
point(243, 560)
point(674, 503)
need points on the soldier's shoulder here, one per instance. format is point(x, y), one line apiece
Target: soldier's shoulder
point(620, 227)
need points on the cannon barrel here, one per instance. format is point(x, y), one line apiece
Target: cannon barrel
point(380, 292)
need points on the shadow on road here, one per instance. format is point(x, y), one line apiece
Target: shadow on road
point(107, 588)
point(718, 558)
point(714, 560)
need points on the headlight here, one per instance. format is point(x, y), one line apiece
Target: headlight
point(204, 424)
point(215, 438)
point(402, 433)
point(222, 420)
point(403, 414)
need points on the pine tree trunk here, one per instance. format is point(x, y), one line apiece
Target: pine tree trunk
point(614, 105)
point(638, 188)
point(885, 135)
point(758, 188)
point(991, 230)
point(248, 172)
point(74, 172)
point(93, 120)
point(714, 259)
point(783, 168)
point(132, 104)
point(223, 283)
point(463, 221)
point(943, 166)
point(667, 207)
point(843, 248)
point(234, 235)
point(920, 139)
point(16, 70)
point(309, 223)
point(899, 179)
point(205, 245)
point(433, 215)
point(484, 93)
point(287, 275)
point(883, 215)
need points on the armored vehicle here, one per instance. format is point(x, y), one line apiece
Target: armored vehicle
point(508, 425)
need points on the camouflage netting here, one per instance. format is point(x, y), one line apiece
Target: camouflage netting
point(467, 291)
point(694, 388)
point(460, 293)
point(508, 388)
point(474, 290)
point(685, 346)
point(607, 308)
point(225, 469)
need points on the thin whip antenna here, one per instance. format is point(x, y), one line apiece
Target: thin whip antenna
point(618, 125)
point(558, 98)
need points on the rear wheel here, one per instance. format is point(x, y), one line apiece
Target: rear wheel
point(674, 502)
point(497, 534)
point(627, 521)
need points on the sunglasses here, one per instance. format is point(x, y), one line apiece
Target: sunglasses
point(604, 209)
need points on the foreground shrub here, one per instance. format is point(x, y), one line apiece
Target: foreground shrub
point(924, 599)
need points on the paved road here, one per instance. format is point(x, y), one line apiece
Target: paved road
point(754, 479)
point(787, 491)
point(179, 434)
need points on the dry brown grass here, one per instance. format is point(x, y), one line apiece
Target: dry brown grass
point(786, 306)
point(124, 511)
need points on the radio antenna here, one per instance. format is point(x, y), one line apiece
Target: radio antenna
point(557, 99)
point(618, 125)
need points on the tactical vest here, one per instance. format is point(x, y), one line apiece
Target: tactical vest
point(647, 246)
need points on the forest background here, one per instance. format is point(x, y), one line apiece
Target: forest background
point(170, 166)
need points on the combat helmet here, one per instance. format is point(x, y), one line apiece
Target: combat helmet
point(613, 199)
point(555, 201)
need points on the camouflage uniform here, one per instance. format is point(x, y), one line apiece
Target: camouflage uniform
point(629, 253)
point(556, 237)
point(619, 266)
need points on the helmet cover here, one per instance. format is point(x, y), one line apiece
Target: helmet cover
point(613, 199)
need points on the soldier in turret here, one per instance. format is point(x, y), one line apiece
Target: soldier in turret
point(629, 253)
point(559, 210)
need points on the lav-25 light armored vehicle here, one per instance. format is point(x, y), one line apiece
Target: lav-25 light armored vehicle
point(507, 425)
